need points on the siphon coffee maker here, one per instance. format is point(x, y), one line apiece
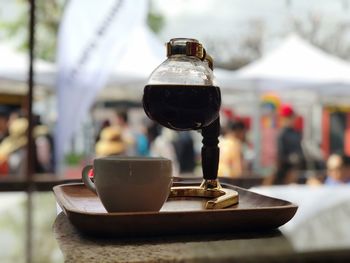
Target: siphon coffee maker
point(181, 94)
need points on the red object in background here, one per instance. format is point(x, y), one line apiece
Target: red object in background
point(4, 169)
point(268, 143)
point(286, 110)
point(247, 122)
point(228, 113)
point(347, 135)
point(299, 123)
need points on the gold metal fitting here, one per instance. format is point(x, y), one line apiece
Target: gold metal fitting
point(185, 46)
point(221, 197)
point(188, 47)
point(210, 184)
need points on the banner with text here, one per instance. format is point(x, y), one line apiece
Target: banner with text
point(92, 37)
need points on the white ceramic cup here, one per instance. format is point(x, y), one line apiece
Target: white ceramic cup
point(130, 184)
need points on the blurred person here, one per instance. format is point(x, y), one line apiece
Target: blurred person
point(232, 162)
point(141, 141)
point(43, 146)
point(105, 124)
point(162, 146)
point(13, 148)
point(184, 150)
point(153, 130)
point(4, 121)
point(290, 155)
point(127, 134)
point(338, 170)
point(110, 142)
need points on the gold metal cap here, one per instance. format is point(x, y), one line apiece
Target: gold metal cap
point(185, 46)
point(188, 47)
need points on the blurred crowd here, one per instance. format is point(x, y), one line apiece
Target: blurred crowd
point(13, 142)
point(116, 136)
point(147, 139)
point(182, 147)
point(293, 162)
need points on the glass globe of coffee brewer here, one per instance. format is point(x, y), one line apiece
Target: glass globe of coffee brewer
point(181, 94)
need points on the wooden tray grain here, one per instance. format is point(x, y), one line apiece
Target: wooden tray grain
point(177, 216)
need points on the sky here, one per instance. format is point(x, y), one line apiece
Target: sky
point(217, 19)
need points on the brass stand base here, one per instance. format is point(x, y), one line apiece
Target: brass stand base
point(222, 197)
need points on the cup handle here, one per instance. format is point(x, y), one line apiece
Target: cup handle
point(86, 179)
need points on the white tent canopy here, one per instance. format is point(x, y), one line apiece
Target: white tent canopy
point(294, 64)
point(141, 56)
point(14, 67)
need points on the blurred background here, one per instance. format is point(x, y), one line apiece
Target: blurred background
point(283, 68)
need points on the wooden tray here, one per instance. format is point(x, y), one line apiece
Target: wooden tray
point(254, 212)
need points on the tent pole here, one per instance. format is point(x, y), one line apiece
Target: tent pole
point(30, 144)
point(29, 104)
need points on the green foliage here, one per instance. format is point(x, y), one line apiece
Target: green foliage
point(155, 21)
point(48, 15)
point(73, 159)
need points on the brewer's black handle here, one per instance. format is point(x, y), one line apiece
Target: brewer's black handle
point(210, 150)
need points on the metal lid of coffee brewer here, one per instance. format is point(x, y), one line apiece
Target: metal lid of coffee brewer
point(188, 47)
point(185, 46)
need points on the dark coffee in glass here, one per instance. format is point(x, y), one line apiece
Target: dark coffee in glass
point(182, 107)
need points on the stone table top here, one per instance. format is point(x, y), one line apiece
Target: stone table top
point(79, 248)
point(323, 237)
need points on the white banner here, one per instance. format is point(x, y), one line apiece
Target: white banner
point(92, 37)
